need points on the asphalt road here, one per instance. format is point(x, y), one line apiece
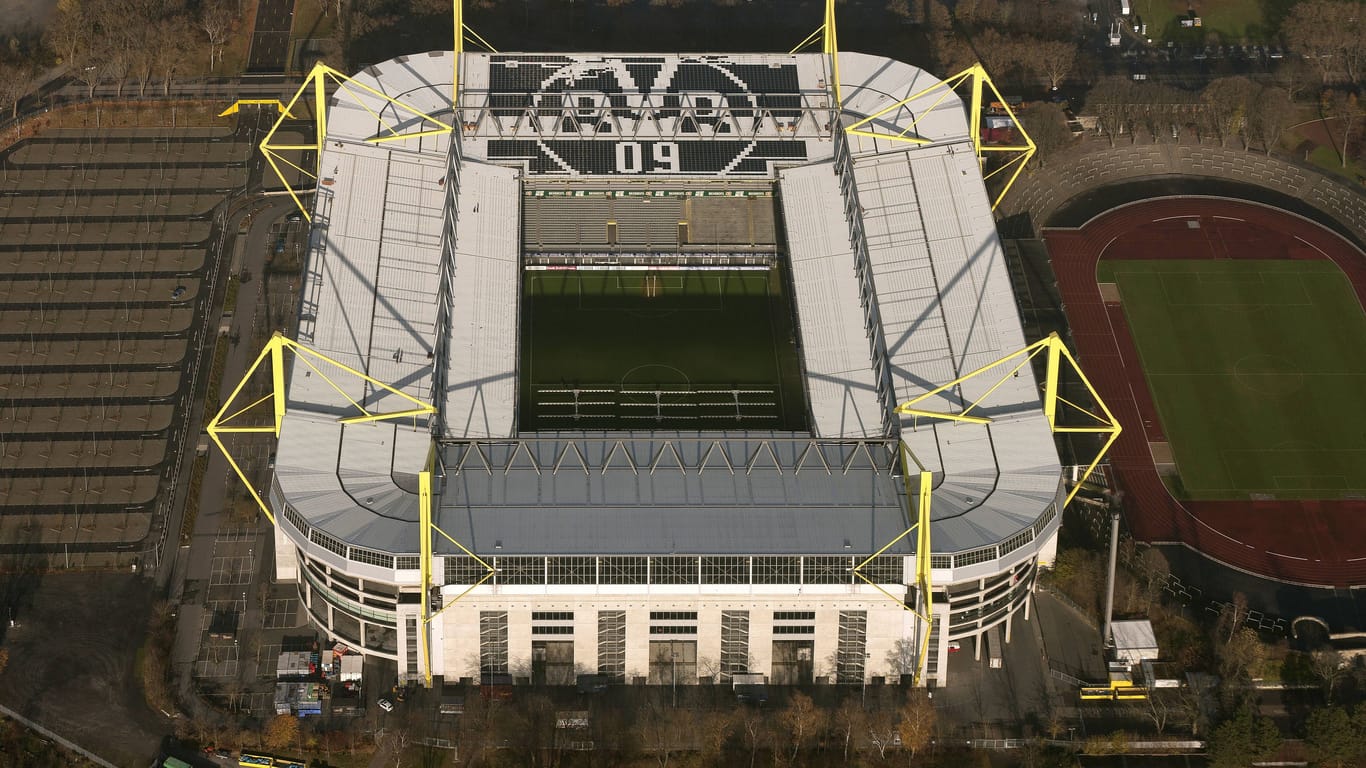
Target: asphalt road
point(270, 39)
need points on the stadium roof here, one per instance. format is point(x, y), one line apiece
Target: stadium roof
point(943, 306)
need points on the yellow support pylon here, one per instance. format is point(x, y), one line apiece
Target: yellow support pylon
point(461, 30)
point(1101, 423)
point(236, 105)
point(230, 418)
point(980, 84)
point(829, 38)
point(924, 599)
point(317, 82)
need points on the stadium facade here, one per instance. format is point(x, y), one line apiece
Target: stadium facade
point(652, 554)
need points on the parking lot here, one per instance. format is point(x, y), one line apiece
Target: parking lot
point(105, 283)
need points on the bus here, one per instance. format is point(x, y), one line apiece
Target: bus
point(255, 760)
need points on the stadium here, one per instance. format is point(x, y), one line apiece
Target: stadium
point(640, 326)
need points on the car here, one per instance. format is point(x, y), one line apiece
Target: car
point(177, 292)
point(954, 646)
point(386, 705)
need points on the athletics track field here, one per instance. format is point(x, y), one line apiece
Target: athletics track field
point(1304, 540)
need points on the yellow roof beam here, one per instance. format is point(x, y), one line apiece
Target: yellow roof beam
point(980, 86)
point(233, 418)
point(315, 87)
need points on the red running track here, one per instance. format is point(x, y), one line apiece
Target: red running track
point(1307, 542)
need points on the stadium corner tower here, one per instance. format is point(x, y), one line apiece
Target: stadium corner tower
point(665, 308)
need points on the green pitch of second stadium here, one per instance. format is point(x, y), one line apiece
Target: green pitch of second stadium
point(1258, 369)
point(692, 350)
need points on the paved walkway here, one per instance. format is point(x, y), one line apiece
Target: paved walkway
point(27, 723)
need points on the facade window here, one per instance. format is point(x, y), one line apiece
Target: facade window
point(673, 570)
point(851, 653)
point(371, 557)
point(777, 570)
point(327, 542)
point(622, 570)
point(493, 642)
point(297, 520)
point(409, 562)
point(667, 629)
point(573, 570)
point(410, 637)
point(520, 570)
point(794, 615)
point(827, 570)
point(1018, 540)
point(983, 555)
point(789, 629)
point(464, 570)
point(725, 570)
point(612, 645)
point(552, 615)
point(734, 644)
point(673, 615)
point(884, 569)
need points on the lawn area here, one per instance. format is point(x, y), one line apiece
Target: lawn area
point(1257, 368)
point(659, 349)
point(1233, 21)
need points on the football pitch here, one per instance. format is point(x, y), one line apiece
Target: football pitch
point(667, 349)
point(1258, 370)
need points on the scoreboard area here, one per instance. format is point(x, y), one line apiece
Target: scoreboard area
point(615, 115)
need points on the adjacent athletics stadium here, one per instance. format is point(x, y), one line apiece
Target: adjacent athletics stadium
point(642, 324)
point(1229, 337)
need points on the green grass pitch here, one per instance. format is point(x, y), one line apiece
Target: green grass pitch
point(1258, 369)
point(662, 350)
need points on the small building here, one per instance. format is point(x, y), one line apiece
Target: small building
point(302, 699)
point(1134, 641)
point(351, 667)
point(297, 665)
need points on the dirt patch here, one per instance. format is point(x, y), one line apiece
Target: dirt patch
point(72, 658)
point(1109, 292)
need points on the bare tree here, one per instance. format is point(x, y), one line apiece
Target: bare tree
point(1329, 34)
point(664, 731)
point(882, 731)
point(1344, 107)
point(1159, 710)
point(755, 729)
point(1228, 103)
point(15, 79)
point(1047, 126)
point(918, 720)
point(1328, 667)
point(1055, 59)
point(850, 723)
point(1273, 114)
point(168, 47)
point(799, 721)
point(1111, 101)
point(215, 18)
